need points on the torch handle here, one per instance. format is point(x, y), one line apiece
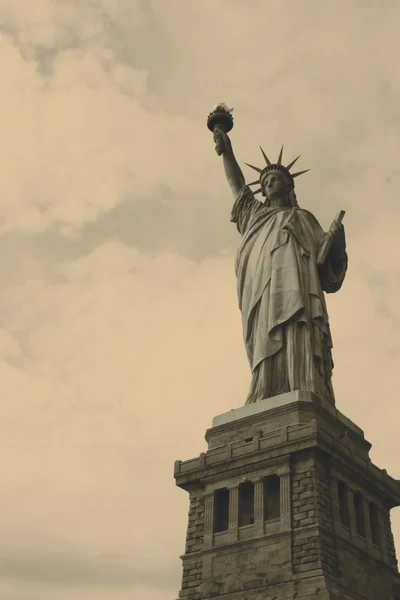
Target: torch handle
point(219, 140)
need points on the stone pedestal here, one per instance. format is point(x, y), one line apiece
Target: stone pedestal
point(316, 509)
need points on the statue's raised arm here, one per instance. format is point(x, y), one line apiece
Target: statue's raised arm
point(233, 172)
point(220, 121)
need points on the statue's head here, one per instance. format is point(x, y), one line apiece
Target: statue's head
point(275, 185)
point(276, 181)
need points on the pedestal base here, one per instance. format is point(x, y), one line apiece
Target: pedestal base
point(287, 504)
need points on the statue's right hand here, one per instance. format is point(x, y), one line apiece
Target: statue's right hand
point(222, 141)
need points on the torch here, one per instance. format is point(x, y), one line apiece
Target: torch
point(220, 119)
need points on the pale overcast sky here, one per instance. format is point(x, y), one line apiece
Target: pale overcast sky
point(120, 333)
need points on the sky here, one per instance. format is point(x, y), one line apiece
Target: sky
point(120, 334)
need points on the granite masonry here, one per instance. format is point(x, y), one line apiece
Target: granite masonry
point(286, 504)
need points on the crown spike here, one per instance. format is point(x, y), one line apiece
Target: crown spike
point(266, 157)
point(279, 161)
point(255, 168)
point(292, 163)
point(300, 173)
point(253, 182)
point(258, 191)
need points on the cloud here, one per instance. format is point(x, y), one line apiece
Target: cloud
point(86, 433)
point(48, 559)
point(79, 163)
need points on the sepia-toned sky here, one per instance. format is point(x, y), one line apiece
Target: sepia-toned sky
point(120, 335)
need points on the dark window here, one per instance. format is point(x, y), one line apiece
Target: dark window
point(359, 513)
point(272, 497)
point(221, 510)
point(374, 519)
point(246, 504)
point(343, 503)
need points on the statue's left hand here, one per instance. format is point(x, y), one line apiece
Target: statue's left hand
point(339, 239)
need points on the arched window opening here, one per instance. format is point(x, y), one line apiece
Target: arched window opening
point(359, 513)
point(272, 497)
point(221, 510)
point(343, 503)
point(374, 520)
point(246, 504)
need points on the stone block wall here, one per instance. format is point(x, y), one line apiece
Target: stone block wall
point(325, 518)
point(396, 590)
point(305, 555)
point(328, 554)
point(195, 530)
point(387, 538)
point(191, 580)
point(192, 565)
point(323, 494)
point(248, 566)
point(362, 574)
point(312, 518)
point(303, 507)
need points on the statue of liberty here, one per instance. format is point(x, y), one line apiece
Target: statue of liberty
point(285, 263)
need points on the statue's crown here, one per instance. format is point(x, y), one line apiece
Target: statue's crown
point(278, 166)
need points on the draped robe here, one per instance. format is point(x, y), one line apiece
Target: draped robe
point(280, 292)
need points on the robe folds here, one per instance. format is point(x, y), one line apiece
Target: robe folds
point(281, 298)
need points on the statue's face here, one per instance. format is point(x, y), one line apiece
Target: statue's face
point(275, 185)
